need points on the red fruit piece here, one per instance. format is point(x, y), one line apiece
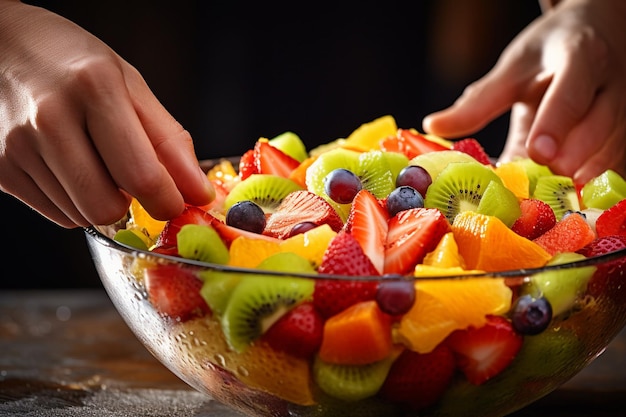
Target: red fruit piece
point(473, 148)
point(612, 221)
point(175, 292)
point(610, 278)
point(568, 235)
point(536, 219)
point(416, 144)
point(367, 222)
point(190, 215)
point(298, 207)
point(298, 332)
point(271, 160)
point(483, 352)
point(412, 234)
point(230, 233)
point(247, 164)
point(344, 256)
point(419, 379)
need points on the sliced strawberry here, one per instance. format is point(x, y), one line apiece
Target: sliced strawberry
point(536, 219)
point(613, 220)
point(473, 148)
point(416, 144)
point(230, 233)
point(412, 234)
point(190, 215)
point(484, 352)
point(298, 332)
point(298, 207)
point(610, 278)
point(393, 144)
point(175, 292)
point(271, 160)
point(419, 379)
point(343, 256)
point(367, 222)
point(569, 234)
point(247, 164)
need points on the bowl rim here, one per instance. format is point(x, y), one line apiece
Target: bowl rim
point(93, 232)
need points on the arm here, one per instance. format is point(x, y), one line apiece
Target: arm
point(562, 78)
point(80, 131)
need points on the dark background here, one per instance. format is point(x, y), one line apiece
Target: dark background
point(232, 73)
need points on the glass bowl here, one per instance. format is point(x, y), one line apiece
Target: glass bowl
point(262, 381)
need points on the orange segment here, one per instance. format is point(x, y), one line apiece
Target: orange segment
point(143, 221)
point(486, 243)
point(442, 306)
point(446, 254)
point(298, 175)
point(515, 178)
point(247, 252)
point(311, 244)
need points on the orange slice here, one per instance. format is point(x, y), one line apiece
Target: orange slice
point(446, 254)
point(311, 244)
point(515, 178)
point(142, 220)
point(248, 252)
point(486, 243)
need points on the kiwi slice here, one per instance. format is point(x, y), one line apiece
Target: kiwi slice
point(351, 382)
point(435, 162)
point(604, 191)
point(259, 301)
point(132, 238)
point(266, 190)
point(501, 202)
point(291, 144)
point(375, 173)
point(397, 161)
point(201, 243)
point(559, 192)
point(217, 287)
point(460, 187)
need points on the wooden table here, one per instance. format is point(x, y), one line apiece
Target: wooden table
point(69, 353)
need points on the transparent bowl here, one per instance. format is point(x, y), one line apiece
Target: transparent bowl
point(263, 382)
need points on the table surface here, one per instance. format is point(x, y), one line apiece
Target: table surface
point(69, 353)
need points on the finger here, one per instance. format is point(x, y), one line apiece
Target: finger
point(173, 144)
point(522, 115)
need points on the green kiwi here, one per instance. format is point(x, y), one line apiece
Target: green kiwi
point(217, 287)
point(257, 302)
point(351, 382)
point(375, 173)
point(460, 187)
point(499, 201)
point(559, 192)
point(435, 162)
point(291, 144)
point(266, 190)
point(604, 191)
point(562, 287)
point(533, 171)
point(201, 243)
point(397, 161)
point(131, 238)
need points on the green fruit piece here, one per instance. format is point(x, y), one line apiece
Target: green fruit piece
point(259, 301)
point(435, 162)
point(266, 190)
point(534, 171)
point(500, 202)
point(291, 144)
point(351, 382)
point(561, 287)
point(286, 262)
point(132, 238)
point(604, 191)
point(459, 187)
point(201, 243)
point(559, 192)
point(217, 288)
point(375, 173)
point(396, 162)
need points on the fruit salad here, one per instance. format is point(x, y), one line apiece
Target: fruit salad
point(386, 273)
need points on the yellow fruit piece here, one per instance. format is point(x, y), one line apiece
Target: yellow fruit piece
point(310, 244)
point(223, 172)
point(515, 178)
point(437, 139)
point(446, 254)
point(248, 252)
point(486, 243)
point(441, 271)
point(367, 136)
point(142, 220)
point(442, 306)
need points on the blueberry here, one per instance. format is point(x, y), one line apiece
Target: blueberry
point(530, 315)
point(403, 198)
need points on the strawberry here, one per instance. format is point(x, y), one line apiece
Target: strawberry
point(536, 219)
point(569, 234)
point(230, 233)
point(298, 332)
point(247, 164)
point(343, 256)
point(298, 207)
point(271, 160)
point(413, 144)
point(175, 292)
point(190, 215)
point(473, 148)
point(419, 379)
point(610, 277)
point(412, 234)
point(613, 220)
point(483, 352)
point(367, 222)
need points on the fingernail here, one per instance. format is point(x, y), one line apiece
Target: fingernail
point(545, 146)
point(208, 185)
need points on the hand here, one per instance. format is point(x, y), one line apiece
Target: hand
point(563, 80)
point(80, 130)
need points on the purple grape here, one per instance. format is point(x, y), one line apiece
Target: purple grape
point(414, 176)
point(246, 215)
point(531, 315)
point(395, 296)
point(403, 198)
point(301, 228)
point(342, 185)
